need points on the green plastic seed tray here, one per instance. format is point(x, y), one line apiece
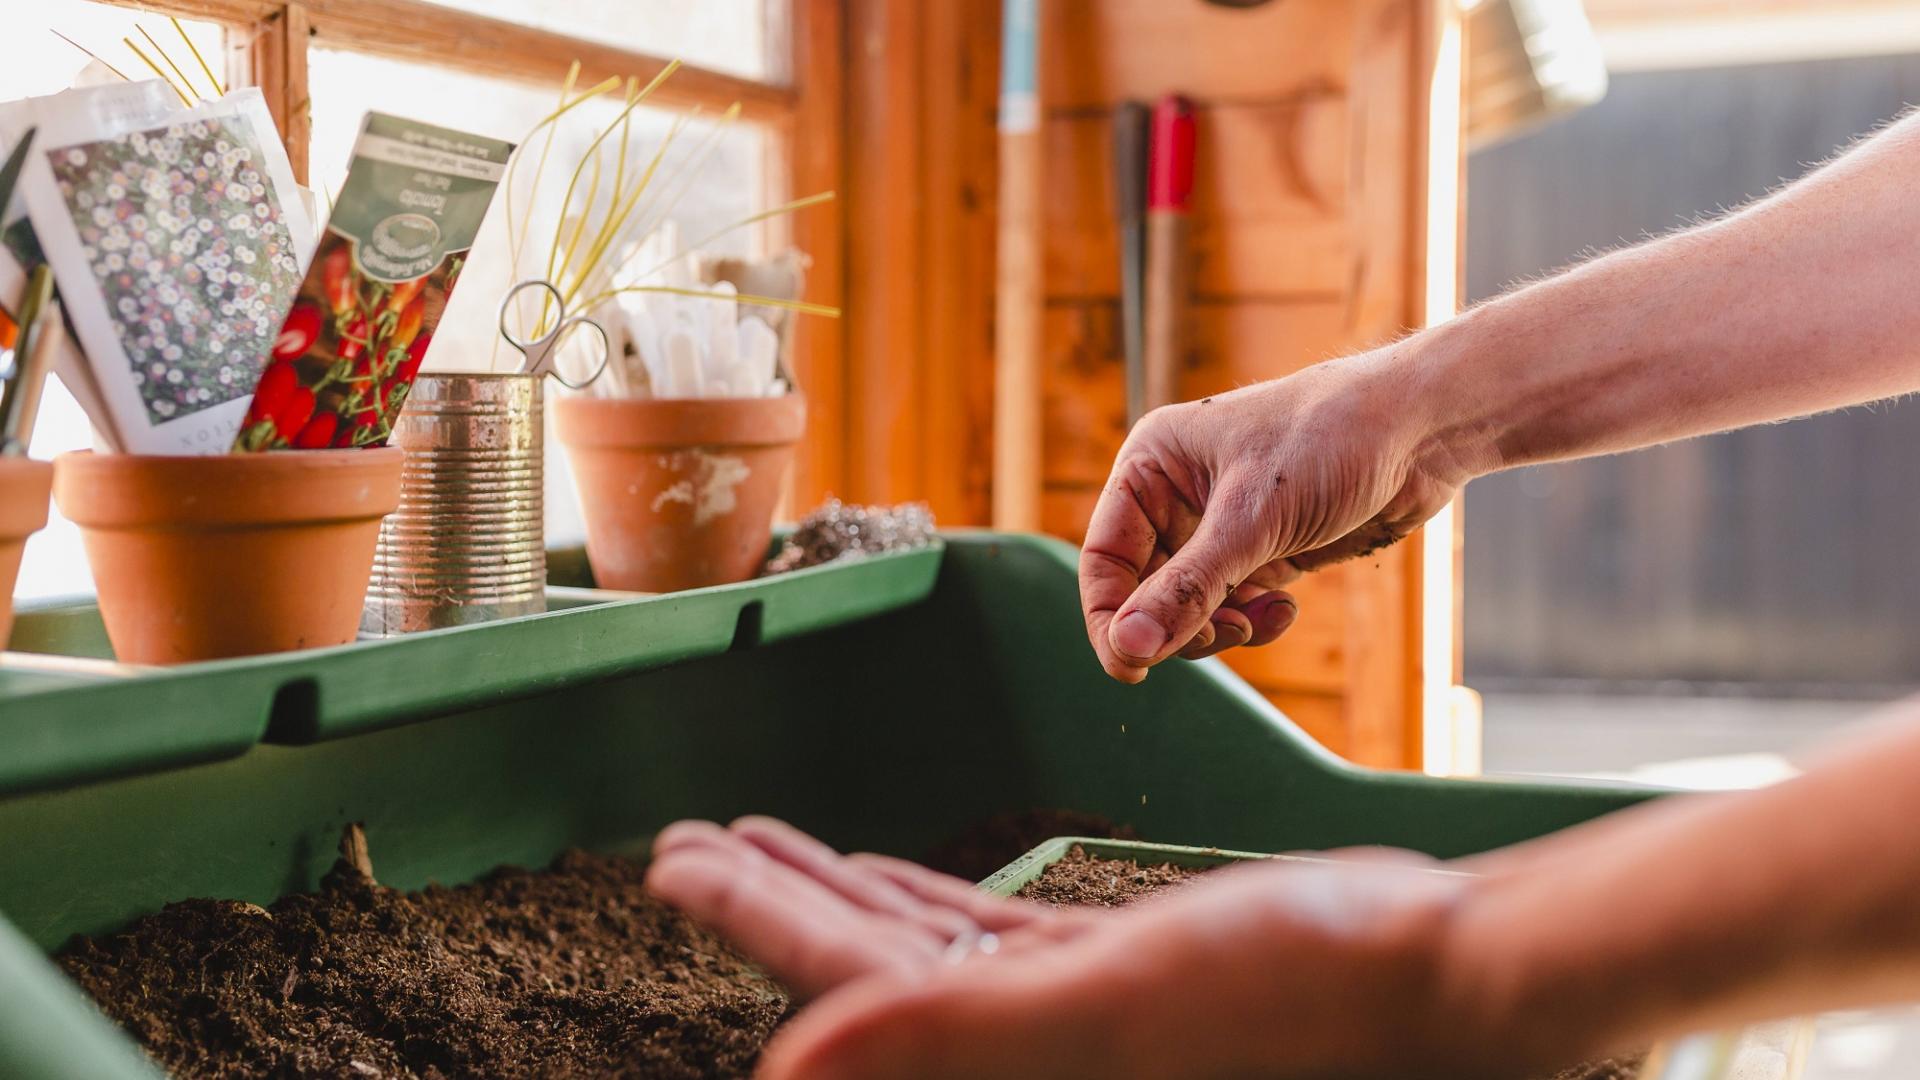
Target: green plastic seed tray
point(1016, 875)
point(67, 713)
point(1764, 1052)
point(597, 726)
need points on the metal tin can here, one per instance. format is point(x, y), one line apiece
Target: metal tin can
point(467, 544)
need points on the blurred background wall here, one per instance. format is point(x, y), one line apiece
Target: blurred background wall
point(1741, 593)
point(1778, 559)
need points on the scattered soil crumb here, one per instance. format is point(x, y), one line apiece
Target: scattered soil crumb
point(570, 971)
point(979, 850)
point(1082, 879)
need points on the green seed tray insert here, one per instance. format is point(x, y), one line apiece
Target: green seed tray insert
point(1765, 1052)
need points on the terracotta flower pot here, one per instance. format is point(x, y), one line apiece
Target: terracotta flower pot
point(23, 510)
point(202, 557)
point(678, 493)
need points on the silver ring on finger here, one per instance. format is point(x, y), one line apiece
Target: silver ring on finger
point(968, 944)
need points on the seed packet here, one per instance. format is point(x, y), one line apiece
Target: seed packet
point(176, 246)
point(349, 349)
point(142, 103)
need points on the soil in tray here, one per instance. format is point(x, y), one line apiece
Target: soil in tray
point(572, 971)
point(1081, 879)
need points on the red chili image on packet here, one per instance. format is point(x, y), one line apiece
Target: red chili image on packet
point(346, 356)
point(349, 348)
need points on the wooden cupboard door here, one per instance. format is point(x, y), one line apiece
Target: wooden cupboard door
point(1308, 243)
point(1310, 185)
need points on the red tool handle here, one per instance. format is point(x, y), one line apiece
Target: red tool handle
point(1170, 183)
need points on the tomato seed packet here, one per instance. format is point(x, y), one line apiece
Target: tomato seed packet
point(349, 348)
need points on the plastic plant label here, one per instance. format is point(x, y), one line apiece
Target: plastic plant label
point(349, 349)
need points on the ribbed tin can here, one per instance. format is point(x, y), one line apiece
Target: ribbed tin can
point(467, 544)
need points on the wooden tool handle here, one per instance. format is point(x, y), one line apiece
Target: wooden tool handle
point(1131, 140)
point(1169, 191)
point(1020, 281)
point(1018, 311)
point(1167, 282)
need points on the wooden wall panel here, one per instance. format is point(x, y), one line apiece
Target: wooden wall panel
point(1271, 258)
point(1307, 245)
point(1308, 224)
point(1313, 656)
point(1064, 510)
point(885, 88)
point(921, 86)
point(1322, 715)
point(1379, 665)
point(960, 179)
point(1271, 184)
point(1240, 342)
point(1101, 51)
point(808, 158)
point(1084, 395)
point(1233, 343)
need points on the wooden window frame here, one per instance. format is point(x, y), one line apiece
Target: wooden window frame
point(801, 111)
point(270, 42)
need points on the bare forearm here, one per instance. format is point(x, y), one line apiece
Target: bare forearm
point(1704, 911)
point(1803, 302)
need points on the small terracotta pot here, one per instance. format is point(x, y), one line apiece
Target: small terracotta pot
point(678, 493)
point(197, 558)
point(23, 510)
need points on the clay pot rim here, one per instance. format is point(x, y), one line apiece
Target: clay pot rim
point(679, 422)
point(24, 487)
point(108, 491)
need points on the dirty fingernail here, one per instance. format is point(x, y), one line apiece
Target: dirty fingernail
point(1139, 634)
point(1288, 611)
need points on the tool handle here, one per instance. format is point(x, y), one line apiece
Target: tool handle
point(1130, 148)
point(1170, 190)
point(1019, 314)
point(550, 362)
point(1168, 268)
point(1019, 279)
point(1174, 140)
point(1131, 134)
point(20, 395)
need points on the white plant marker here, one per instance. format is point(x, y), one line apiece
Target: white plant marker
point(719, 317)
point(759, 348)
point(682, 366)
point(644, 333)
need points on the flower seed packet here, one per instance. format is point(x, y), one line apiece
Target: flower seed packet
point(349, 348)
point(176, 245)
point(137, 104)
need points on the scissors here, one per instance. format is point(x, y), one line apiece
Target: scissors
point(540, 350)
